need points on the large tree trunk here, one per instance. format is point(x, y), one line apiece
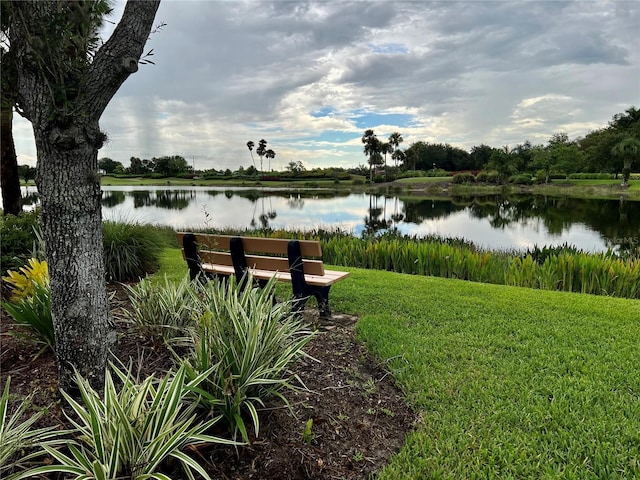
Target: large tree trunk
point(64, 94)
point(11, 198)
point(71, 211)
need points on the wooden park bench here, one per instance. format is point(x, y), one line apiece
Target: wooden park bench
point(298, 262)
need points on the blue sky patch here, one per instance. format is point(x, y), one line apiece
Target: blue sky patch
point(389, 48)
point(323, 112)
point(372, 120)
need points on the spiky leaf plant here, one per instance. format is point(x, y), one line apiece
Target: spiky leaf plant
point(17, 438)
point(246, 344)
point(131, 430)
point(162, 309)
point(30, 301)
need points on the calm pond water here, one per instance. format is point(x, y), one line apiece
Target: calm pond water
point(516, 222)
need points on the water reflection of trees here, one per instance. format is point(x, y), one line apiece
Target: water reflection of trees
point(166, 199)
point(266, 215)
point(376, 220)
point(111, 199)
point(418, 210)
point(617, 221)
point(296, 202)
point(30, 199)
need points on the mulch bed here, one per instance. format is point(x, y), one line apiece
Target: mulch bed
point(359, 416)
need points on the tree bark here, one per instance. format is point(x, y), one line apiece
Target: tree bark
point(71, 212)
point(11, 197)
point(67, 143)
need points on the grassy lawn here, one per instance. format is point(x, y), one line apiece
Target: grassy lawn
point(419, 180)
point(509, 382)
point(185, 182)
point(634, 185)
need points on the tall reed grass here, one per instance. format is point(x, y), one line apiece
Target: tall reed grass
point(570, 271)
point(563, 268)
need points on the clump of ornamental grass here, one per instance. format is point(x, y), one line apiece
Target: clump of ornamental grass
point(18, 441)
point(131, 249)
point(162, 310)
point(244, 345)
point(132, 429)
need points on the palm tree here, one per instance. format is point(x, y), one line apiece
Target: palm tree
point(398, 156)
point(629, 150)
point(261, 150)
point(270, 154)
point(250, 146)
point(395, 139)
point(385, 148)
point(371, 149)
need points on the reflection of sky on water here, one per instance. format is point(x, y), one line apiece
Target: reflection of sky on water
point(308, 211)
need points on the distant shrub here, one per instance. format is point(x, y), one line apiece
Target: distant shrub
point(378, 179)
point(540, 176)
point(357, 181)
point(438, 172)
point(490, 176)
point(463, 178)
point(521, 179)
point(557, 176)
point(481, 177)
point(592, 176)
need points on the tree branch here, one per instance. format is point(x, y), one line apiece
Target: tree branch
point(118, 57)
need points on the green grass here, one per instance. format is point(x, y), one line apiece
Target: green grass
point(182, 182)
point(509, 382)
point(418, 180)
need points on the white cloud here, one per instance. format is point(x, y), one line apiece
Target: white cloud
point(468, 72)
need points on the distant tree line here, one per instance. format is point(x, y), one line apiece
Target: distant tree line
point(169, 166)
point(612, 149)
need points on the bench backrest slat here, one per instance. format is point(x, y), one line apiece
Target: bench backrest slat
point(275, 246)
point(215, 249)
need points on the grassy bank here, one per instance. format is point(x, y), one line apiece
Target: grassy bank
point(202, 182)
point(509, 382)
point(440, 185)
point(573, 188)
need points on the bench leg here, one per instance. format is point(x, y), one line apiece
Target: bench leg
point(301, 290)
point(191, 255)
point(322, 295)
point(298, 303)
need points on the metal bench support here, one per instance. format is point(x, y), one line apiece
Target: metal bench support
point(301, 290)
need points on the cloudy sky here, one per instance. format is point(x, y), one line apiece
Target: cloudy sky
point(310, 77)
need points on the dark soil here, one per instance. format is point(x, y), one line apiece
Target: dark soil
point(359, 416)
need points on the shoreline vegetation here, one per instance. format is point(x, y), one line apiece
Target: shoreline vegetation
point(439, 186)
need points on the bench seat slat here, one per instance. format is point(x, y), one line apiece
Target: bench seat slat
point(329, 278)
point(281, 264)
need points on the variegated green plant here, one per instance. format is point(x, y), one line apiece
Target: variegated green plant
point(162, 309)
point(130, 431)
point(247, 345)
point(18, 441)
